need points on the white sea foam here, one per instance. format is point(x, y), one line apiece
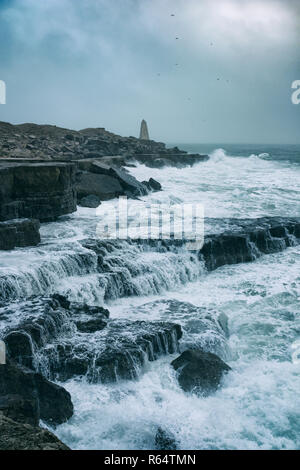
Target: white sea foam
point(258, 404)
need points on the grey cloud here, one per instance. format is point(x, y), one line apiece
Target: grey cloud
point(113, 62)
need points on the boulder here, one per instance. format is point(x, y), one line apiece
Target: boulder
point(155, 185)
point(18, 436)
point(103, 186)
point(53, 402)
point(152, 185)
point(19, 233)
point(128, 183)
point(90, 201)
point(199, 371)
point(19, 346)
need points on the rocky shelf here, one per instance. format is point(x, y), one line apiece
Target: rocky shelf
point(63, 340)
point(43, 191)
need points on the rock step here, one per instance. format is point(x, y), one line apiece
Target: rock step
point(118, 352)
point(19, 233)
point(63, 340)
point(43, 191)
point(248, 240)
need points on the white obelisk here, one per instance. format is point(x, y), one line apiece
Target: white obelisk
point(144, 134)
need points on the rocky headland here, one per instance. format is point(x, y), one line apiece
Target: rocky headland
point(46, 170)
point(45, 142)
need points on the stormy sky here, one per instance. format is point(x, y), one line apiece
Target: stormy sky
point(109, 63)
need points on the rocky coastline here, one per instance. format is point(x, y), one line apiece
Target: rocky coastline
point(44, 172)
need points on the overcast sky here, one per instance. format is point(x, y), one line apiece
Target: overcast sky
point(110, 63)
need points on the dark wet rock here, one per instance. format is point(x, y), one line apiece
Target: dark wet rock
point(165, 440)
point(19, 346)
point(128, 183)
point(30, 325)
point(152, 185)
point(19, 233)
point(155, 185)
point(117, 352)
point(199, 371)
point(18, 436)
point(90, 326)
point(20, 409)
point(66, 339)
point(103, 186)
point(91, 201)
point(41, 191)
point(53, 402)
point(246, 240)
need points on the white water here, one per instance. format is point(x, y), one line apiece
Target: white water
point(258, 404)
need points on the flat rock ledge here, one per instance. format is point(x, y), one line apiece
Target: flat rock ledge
point(245, 240)
point(19, 436)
